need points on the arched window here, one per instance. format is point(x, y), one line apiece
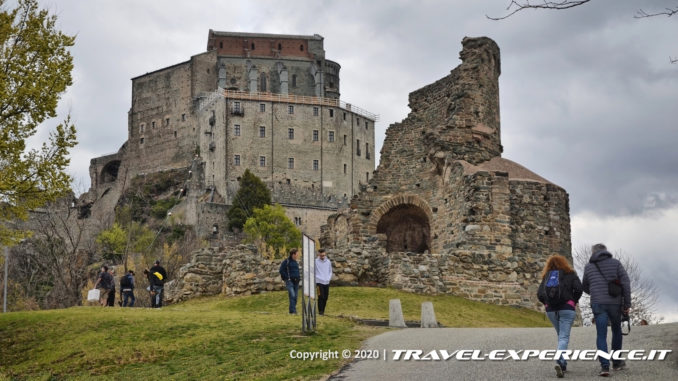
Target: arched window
point(262, 83)
point(221, 44)
point(279, 46)
point(253, 46)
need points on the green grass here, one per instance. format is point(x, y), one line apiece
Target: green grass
point(215, 338)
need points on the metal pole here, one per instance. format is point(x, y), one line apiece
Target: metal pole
point(4, 293)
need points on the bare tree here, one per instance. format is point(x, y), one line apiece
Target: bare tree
point(644, 292)
point(516, 6)
point(52, 265)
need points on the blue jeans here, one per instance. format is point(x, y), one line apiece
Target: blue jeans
point(292, 292)
point(128, 295)
point(562, 321)
point(602, 313)
point(156, 300)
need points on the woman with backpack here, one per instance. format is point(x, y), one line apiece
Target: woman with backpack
point(560, 290)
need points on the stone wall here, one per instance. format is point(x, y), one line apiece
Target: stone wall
point(450, 213)
point(240, 270)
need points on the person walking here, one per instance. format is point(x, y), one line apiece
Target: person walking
point(157, 276)
point(323, 275)
point(606, 280)
point(289, 272)
point(127, 289)
point(559, 291)
point(111, 293)
point(106, 285)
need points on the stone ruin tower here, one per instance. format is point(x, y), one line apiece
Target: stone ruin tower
point(444, 212)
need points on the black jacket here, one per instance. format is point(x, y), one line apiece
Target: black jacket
point(571, 289)
point(595, 283)
point(153, 279)
point(289, 269)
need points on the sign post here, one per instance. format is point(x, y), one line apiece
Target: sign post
point(308, 310)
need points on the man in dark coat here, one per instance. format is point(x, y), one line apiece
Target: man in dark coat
point(289, 272)
point(157, 276)
point(598, 273)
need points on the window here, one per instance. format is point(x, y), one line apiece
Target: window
point(315, 111)
point(279, 46)
point(357, 121)
point(262, 161)
point(262, 131)
point(366, 125)
point(183, 117)
point(367, 151)
point(290, 163)
point(236, 106)
point(315, 135)
point(357, 147)
point(153, 124)
point(290, 133)
point(331, 113)
point(344, 116)
point(166, 121)
point(290, 109)
point(262, 107)
point(315, 165)
point(221, 44)
point(262, 83)
point(236, 130)
point(142, 128)
point(236, 160)
point(141, 141)
point(294, 80)
point(344, 139)
point(330, 136)
point(344, 168)
point(175, 134)
point(301, 48)
point(253, 46)
point(367, 176)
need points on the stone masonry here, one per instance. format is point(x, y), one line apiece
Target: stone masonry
point(264, 102)
point(444, 213)
point(452, 215)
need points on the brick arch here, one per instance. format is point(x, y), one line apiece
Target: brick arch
point(402, 199)
point(406, 222)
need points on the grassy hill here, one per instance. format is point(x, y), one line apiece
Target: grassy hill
point(215, 338)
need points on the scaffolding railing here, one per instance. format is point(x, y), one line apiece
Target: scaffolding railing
point(300, 99)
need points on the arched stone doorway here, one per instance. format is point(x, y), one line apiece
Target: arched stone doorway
point(407, 229)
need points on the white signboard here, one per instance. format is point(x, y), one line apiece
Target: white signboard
point(306, 263)
point(308, 247)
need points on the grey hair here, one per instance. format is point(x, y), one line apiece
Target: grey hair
point(598, 247)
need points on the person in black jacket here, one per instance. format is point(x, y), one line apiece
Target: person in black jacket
point(560, 291)
point(289, 272)
point(598, 273)
point(157, 276)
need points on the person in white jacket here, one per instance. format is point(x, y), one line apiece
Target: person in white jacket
point(323, 275)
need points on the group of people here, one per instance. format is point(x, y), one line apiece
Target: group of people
point(157, 275)
point(289, 272)
point(609, 287)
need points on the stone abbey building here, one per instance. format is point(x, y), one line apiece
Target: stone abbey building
point(264, 102)
point(444, 213)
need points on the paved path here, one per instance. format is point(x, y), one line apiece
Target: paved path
point(487, 339)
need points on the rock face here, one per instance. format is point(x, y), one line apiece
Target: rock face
point(444, 213)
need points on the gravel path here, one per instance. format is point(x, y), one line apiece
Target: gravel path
point(663, 336)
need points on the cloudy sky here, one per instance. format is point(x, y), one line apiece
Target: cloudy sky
point(588, 95)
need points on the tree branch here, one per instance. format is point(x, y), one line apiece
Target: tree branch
point(668, 12)
point(517, 6)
